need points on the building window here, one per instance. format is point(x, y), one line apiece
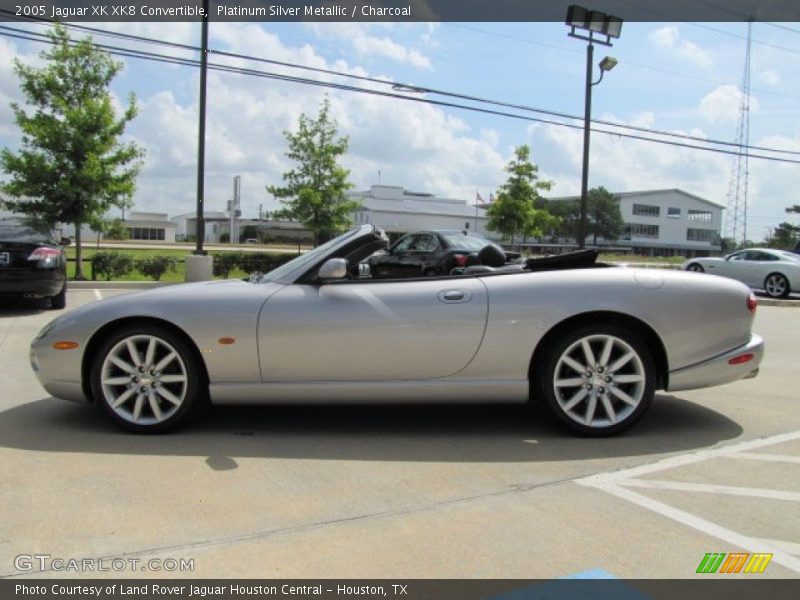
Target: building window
point(700, 235)
point(641, 230)
point(146, 233)
point(646, 210)
point(699, 216)
point(673, 213)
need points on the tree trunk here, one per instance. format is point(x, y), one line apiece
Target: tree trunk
point(78, 253)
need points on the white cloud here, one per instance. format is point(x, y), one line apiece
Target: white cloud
point(724, 103)
point(366, 45)
point(419, 146)
point(770, 77)
point(669, 38)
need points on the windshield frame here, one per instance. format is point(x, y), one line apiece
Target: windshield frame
point(293, 270)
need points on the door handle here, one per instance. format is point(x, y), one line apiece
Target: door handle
point(454, 296)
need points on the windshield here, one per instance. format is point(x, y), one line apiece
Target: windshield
point(308, 258)
point(465, 242)
point(17, 230)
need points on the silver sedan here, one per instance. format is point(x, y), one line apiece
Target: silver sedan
point(777, 272)
point(593, 343)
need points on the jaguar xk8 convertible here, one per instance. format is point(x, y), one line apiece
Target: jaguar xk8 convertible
point(593, 343)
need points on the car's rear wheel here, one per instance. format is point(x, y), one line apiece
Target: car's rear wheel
point(598, 380)
point(696, 268)
point(146, 379)
point(59, 301)
point(776, 286)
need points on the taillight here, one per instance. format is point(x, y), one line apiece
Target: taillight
point(752, 302)
point(741, 359)
point(461, 259)
point(44, 253)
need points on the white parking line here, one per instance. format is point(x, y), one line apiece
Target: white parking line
point(617, 483)
point(97, 294)
point(785, 458)
point(750, 544)
point(705, 488)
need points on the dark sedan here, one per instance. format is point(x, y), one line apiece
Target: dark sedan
point(32, 263)
point(427, 253)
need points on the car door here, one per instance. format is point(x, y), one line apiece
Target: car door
point(734, 266)
point(371, 331)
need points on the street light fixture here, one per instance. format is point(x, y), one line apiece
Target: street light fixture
point(596, 28)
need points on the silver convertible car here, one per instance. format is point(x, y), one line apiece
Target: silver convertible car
point(593, 343)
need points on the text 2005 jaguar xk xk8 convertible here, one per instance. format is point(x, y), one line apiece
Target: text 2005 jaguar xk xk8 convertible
point(593, 343)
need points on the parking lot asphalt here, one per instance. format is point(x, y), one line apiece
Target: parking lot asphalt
point(404, 492)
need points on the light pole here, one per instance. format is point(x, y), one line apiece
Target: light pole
point(601, 28)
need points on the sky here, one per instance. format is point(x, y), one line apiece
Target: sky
point(680, 77)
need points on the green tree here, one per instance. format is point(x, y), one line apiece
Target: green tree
point(116, 230)
point(314, 191)
point(514, 208)
point(604, 218)
point(71, 166)
point(785, 236)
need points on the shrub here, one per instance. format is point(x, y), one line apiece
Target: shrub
point(156, 266)
point(225, 262)
point(110, 265)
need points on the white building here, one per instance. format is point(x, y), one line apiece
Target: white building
point(218, 224)
point(150, 226)
point(397, 211)
point(667, 223)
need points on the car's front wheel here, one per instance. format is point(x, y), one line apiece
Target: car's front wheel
point(695, 268)
point(776, 286)
point(598, 380)
point(146, 379)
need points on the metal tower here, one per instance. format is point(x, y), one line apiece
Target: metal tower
point(736, 211)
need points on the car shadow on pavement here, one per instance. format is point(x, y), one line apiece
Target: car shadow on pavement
point(442, 433)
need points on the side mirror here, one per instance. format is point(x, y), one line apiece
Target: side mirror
point(333, 269)
point(65, 241)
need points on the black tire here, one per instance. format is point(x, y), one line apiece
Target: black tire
point(776, 285)
point(166, 414)
point(568, 393)
point(59, 301)
point(695, 268)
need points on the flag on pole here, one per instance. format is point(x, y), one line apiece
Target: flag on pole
point(478, 199)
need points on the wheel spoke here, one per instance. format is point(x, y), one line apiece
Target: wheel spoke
point(576, 398)
point(571, 382)
point(623, 396)
point(606, 354)
point(623, 360)
point(165, 361)
point(172, 378)
point(117, 381)
point(628, 378)
point(127, 367)
point(609, 408)
point(151, 352)
point(151, 397)
point(123, 397)
point(134, 353)
point(137, 408)
point(591, 408)
point(574, 364)
point(587, 353)
point(166, 394)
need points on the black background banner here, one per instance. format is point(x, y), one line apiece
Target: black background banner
point(397, 10)
point(733, 588)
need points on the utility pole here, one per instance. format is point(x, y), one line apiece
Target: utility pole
point(201, 135)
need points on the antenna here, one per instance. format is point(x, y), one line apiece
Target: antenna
point(736, 211)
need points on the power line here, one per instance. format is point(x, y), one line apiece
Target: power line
point(42, 38)
point(445, 93)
